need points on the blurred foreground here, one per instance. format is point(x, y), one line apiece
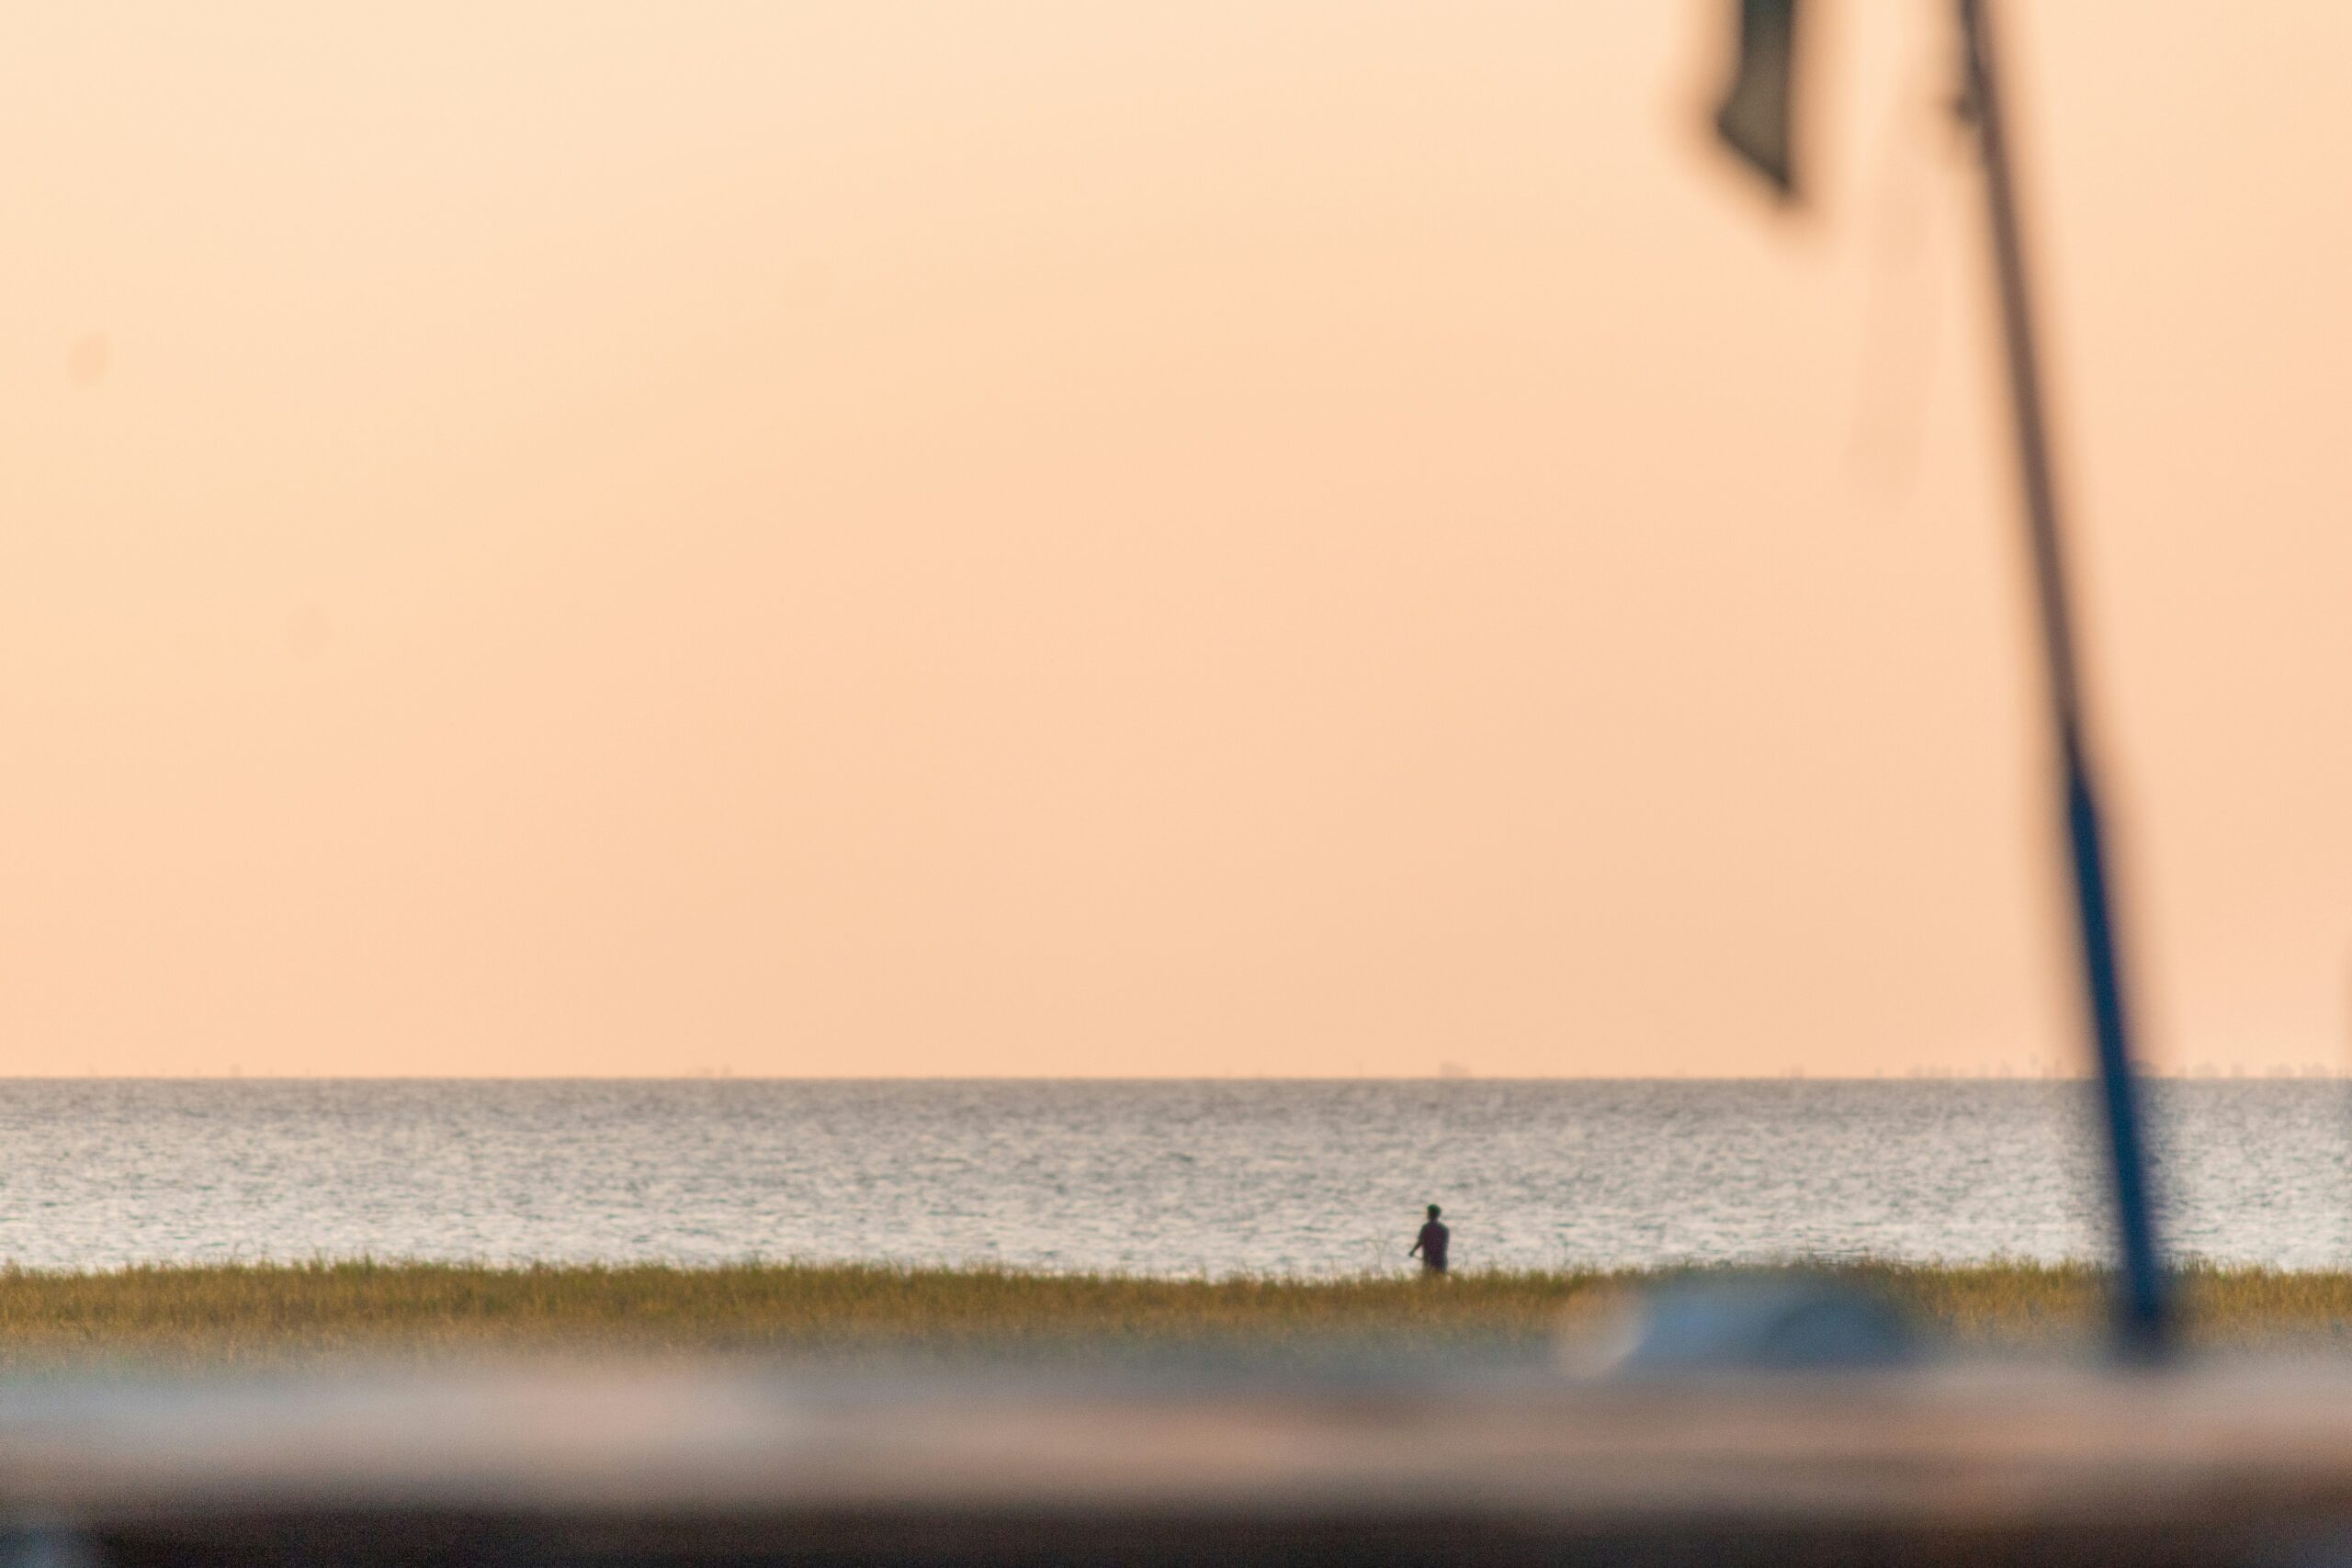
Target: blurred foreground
point(373, 1413)
point(1950, 1460)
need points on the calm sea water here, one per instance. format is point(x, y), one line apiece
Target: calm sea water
point(1160, 1177)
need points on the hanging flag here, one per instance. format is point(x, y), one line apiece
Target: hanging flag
point(1755, 118)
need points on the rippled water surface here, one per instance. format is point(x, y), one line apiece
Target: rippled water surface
point(1160, 1177)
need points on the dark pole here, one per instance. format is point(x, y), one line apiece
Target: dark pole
point(2142, 1307)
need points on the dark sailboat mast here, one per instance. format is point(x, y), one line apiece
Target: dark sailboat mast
point(2143, 1318)
point(1755, 120)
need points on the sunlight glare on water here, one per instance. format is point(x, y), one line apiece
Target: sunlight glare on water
point(1171, 1178)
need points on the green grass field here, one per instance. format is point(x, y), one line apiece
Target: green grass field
point(241, 1315)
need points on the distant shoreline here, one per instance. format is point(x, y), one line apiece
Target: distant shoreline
point(254, 1315)
point(2203, 1073)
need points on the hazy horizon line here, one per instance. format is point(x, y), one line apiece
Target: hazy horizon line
point(1905, 1076)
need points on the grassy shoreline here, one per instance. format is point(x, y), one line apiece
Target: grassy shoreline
point(258, 1313)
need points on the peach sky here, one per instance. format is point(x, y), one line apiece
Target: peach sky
point(1304, 536)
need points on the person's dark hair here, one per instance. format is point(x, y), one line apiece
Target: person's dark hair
point(1433, 1211)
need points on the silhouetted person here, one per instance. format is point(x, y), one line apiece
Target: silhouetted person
point(1431, 1244)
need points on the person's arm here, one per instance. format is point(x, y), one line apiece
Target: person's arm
point(1414, 1249)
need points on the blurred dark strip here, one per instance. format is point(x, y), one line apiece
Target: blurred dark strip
point(1755, 118)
